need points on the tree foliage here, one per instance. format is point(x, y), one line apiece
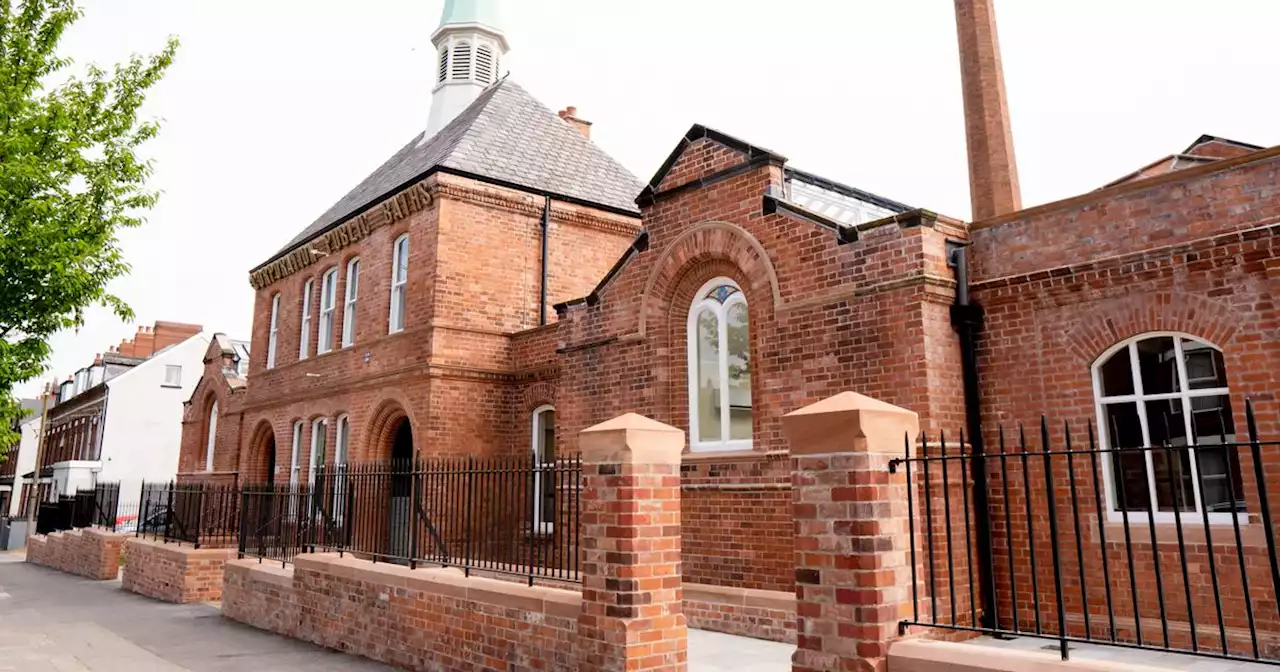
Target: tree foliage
point(70, 180)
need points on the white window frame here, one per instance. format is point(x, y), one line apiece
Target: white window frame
point(1138, 398)
point(273, 334)
point(395, 323)
point(295, 459)
point(211, 437)
point(535, 444)
point(319, 430)
point(344, 438)
point(340, 457)
point(349, 303)
point(304, 334)
point(174, 380)
point(700, 302)
point(328, 297)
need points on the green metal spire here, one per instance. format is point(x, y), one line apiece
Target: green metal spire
point(484, 12)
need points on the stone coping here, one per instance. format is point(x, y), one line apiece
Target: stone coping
point(744, 597)
point(176, 549)
point(919, 655)
point(451, 582)
point(263, 572)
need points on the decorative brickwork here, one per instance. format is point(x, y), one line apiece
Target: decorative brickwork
point(853, 576)
point(172, 573)
point(94, 554)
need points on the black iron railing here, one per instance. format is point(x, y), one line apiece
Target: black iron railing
point(199, 514)
point(510, 515)
point(1078, 554)
point(97, 507)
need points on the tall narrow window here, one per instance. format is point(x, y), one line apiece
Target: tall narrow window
point(304, 337)
point(340, 457)
point(719, 369)
point(399, 275)
point(211, 435)
point(328, 296)
point(1165, 411)
point(544, 457)
point(349, 306)
point(295, 459)
point(273, 334)
point(317, 449)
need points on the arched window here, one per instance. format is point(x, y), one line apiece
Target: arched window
point(318, 437)
point(719, 368)
point(349, 305)
point(273, 332)
point(209, 439)
point(1167, 394)
point(295, 458)
point(399, 275)
point(544, 456)
point(304, 337)
point(460, 68)
point(328, 297)
point(340, 454)
point(444, 64)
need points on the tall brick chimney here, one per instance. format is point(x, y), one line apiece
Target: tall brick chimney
point(993, 171)
point(570, 114)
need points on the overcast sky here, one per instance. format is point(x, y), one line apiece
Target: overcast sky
point(273, 109)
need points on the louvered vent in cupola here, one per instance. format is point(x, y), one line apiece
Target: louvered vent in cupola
point(444, 64)
point(461, 69)
point(484, 64)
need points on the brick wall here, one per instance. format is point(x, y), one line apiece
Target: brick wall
point(412, 619)
point(762, 614)
point(90, 553)
point(172, 573)
point(1196, 252)
point(871, 316)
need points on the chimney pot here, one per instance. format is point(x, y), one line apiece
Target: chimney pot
point(570, 114)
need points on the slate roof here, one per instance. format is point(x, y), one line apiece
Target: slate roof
point(507, 136)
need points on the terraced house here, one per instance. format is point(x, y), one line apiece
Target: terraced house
point(501, 284)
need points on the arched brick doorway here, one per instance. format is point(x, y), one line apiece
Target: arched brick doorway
point(401, 491)
point(262, 460)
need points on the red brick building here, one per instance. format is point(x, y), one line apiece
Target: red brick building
point(542, 287)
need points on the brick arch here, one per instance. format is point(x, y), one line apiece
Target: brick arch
point(1109, 322)
point(542, 393)
point(705, 243)
point(259, 463)
point(381, 428)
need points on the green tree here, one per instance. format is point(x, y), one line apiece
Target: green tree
point(70, 180)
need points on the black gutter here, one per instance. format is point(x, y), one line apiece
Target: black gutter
point(967, 320)
point(774, 204)
point(542, 289)
point(449, 171)
point(640, 244)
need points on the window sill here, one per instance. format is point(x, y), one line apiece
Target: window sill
point(732, 455)
point(170, 387)
point(1222, 531)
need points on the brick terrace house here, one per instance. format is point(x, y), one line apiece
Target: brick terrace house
point(504, 273)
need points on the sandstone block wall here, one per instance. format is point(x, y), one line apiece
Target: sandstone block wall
point(90, 553)
point(178, 574)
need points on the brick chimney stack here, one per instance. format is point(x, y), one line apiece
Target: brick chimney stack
point(993, 171)
point(570, 114)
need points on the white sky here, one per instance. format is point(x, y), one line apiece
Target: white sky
point(275, 108)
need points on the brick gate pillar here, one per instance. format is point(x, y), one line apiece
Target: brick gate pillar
point(632, 611)
point(853, 573)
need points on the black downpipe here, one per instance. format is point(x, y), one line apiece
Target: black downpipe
point(542, 291)
point(967, 320)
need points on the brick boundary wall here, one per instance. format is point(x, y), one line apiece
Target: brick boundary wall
point(761, 614)
point(172, 573)
point(418, 619)
point(93, 554)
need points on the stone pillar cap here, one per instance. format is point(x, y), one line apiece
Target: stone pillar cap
point(632, 438)
point(850, 422)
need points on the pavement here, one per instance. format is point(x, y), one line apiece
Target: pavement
point(56, 622)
